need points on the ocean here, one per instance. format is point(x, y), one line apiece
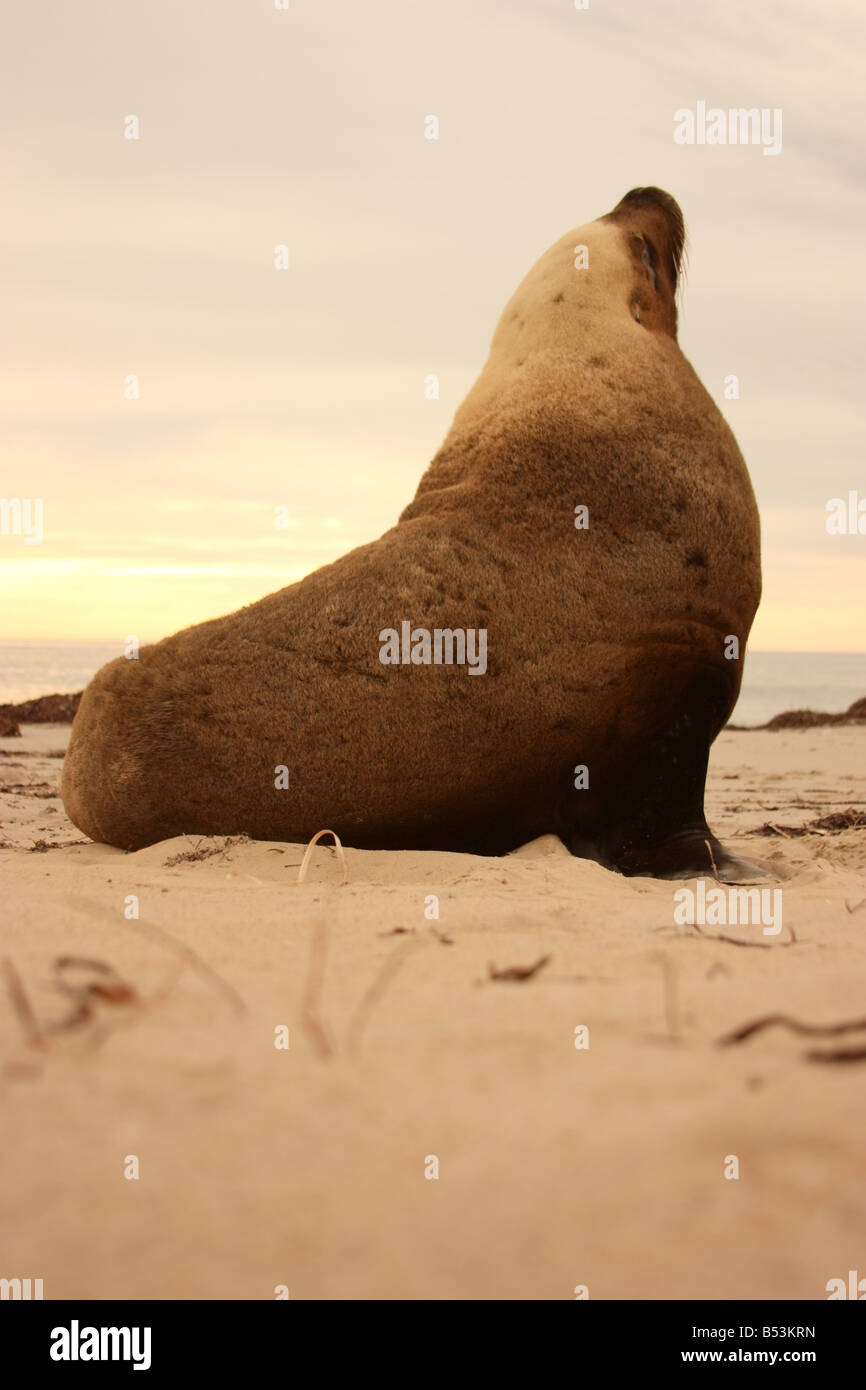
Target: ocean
point(772, 681)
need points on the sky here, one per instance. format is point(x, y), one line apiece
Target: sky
point(303, 388)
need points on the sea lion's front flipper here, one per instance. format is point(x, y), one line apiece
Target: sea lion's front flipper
point(651, 821)
point(691, 853)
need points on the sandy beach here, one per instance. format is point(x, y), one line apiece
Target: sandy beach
point(412, 1046)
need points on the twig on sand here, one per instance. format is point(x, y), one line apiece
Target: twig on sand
point(517, 972)
point(712, 860)
point(21, 1004)
point(376, 989)
point(818, 1030)
point(193, 958)
point(669, 985)
point(738, 941)
point(302, 871)
point(837, 1054)
point(100, 1033)
point(310, 1017)
point(111, 989)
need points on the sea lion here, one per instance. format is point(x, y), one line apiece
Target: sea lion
point(608, 670)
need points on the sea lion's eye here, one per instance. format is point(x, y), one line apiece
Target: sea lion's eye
point(649, 258)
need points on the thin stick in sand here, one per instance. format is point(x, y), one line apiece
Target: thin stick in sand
point(195, 960)
point(374, 992)
point(785, 1021)
point(837, 1054)
point(310, 1017)
point(738, 941)
point(21, 1004)
point(669, 983)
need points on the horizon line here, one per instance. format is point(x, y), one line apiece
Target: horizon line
point(151, 641)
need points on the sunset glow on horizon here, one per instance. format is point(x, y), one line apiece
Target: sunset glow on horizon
point(304, 388)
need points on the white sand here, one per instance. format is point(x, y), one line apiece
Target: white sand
point(557, 1167)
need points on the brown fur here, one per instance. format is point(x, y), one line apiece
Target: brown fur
point(602, 643)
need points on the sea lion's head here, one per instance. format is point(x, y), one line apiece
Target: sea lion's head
point(651, 224)
point(595, 289)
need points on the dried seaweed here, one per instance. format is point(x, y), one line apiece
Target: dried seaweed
point(746, 1030)
point(517, 972)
